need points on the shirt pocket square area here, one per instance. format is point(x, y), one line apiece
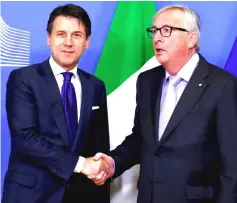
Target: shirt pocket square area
point(95, 107)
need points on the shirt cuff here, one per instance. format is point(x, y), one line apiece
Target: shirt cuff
point(79, 165)
point(114, 167)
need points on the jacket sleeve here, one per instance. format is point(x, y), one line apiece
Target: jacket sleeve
point(127, 154)
point(227, 138)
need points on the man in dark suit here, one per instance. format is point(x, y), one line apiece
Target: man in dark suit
point(57, 116)
point(185, 128)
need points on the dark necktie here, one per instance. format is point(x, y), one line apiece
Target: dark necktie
point(70, 106)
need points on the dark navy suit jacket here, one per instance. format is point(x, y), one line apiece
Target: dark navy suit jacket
point(196, 159)
point(41, 164)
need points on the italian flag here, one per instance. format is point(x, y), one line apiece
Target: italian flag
point(127, 52)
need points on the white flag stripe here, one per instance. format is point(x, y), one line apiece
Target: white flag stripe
point(123, 102)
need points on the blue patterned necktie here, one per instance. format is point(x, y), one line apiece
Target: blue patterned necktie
point(70, 106)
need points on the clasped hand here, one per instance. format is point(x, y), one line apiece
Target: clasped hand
point(98, 168)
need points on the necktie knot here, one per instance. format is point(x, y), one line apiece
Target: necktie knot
point(67, 76)
point(174, 80)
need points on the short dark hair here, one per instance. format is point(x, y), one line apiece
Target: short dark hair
point(70, 10)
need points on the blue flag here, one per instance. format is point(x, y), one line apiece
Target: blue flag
point(231, 64)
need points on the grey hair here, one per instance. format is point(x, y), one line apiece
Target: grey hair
point(192, 19)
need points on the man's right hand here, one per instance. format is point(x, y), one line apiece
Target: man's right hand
point(99, 179)
point(93, 167)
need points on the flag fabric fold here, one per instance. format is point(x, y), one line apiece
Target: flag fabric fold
point(127, 46)
point(126, 50)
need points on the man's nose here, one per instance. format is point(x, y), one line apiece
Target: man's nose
point(157, 36)
point(68, 41)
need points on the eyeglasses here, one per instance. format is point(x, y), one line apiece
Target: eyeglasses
point(165, 31)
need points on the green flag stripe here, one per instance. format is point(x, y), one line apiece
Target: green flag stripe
point(127, 46)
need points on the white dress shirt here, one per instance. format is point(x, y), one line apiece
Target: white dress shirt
point(185, 73)
point(57, 70)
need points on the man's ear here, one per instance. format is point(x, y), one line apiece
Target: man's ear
point(48, 39)
point(87, 42)
point(193, 39)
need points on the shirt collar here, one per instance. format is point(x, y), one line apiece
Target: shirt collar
point(57, 69)
point(187, 70)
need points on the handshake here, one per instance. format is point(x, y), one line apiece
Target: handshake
point(98, 168)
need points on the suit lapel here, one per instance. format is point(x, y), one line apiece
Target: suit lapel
point(156, 91)
point(153, 84)
point(52, 94)
point(86, 106)
point(190, 96)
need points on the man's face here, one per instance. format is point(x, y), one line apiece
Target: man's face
point(170, 49)
point(67, 41)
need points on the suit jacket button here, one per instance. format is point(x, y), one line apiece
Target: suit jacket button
point(159, 154)
point(63, 182)
point(53, 169)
